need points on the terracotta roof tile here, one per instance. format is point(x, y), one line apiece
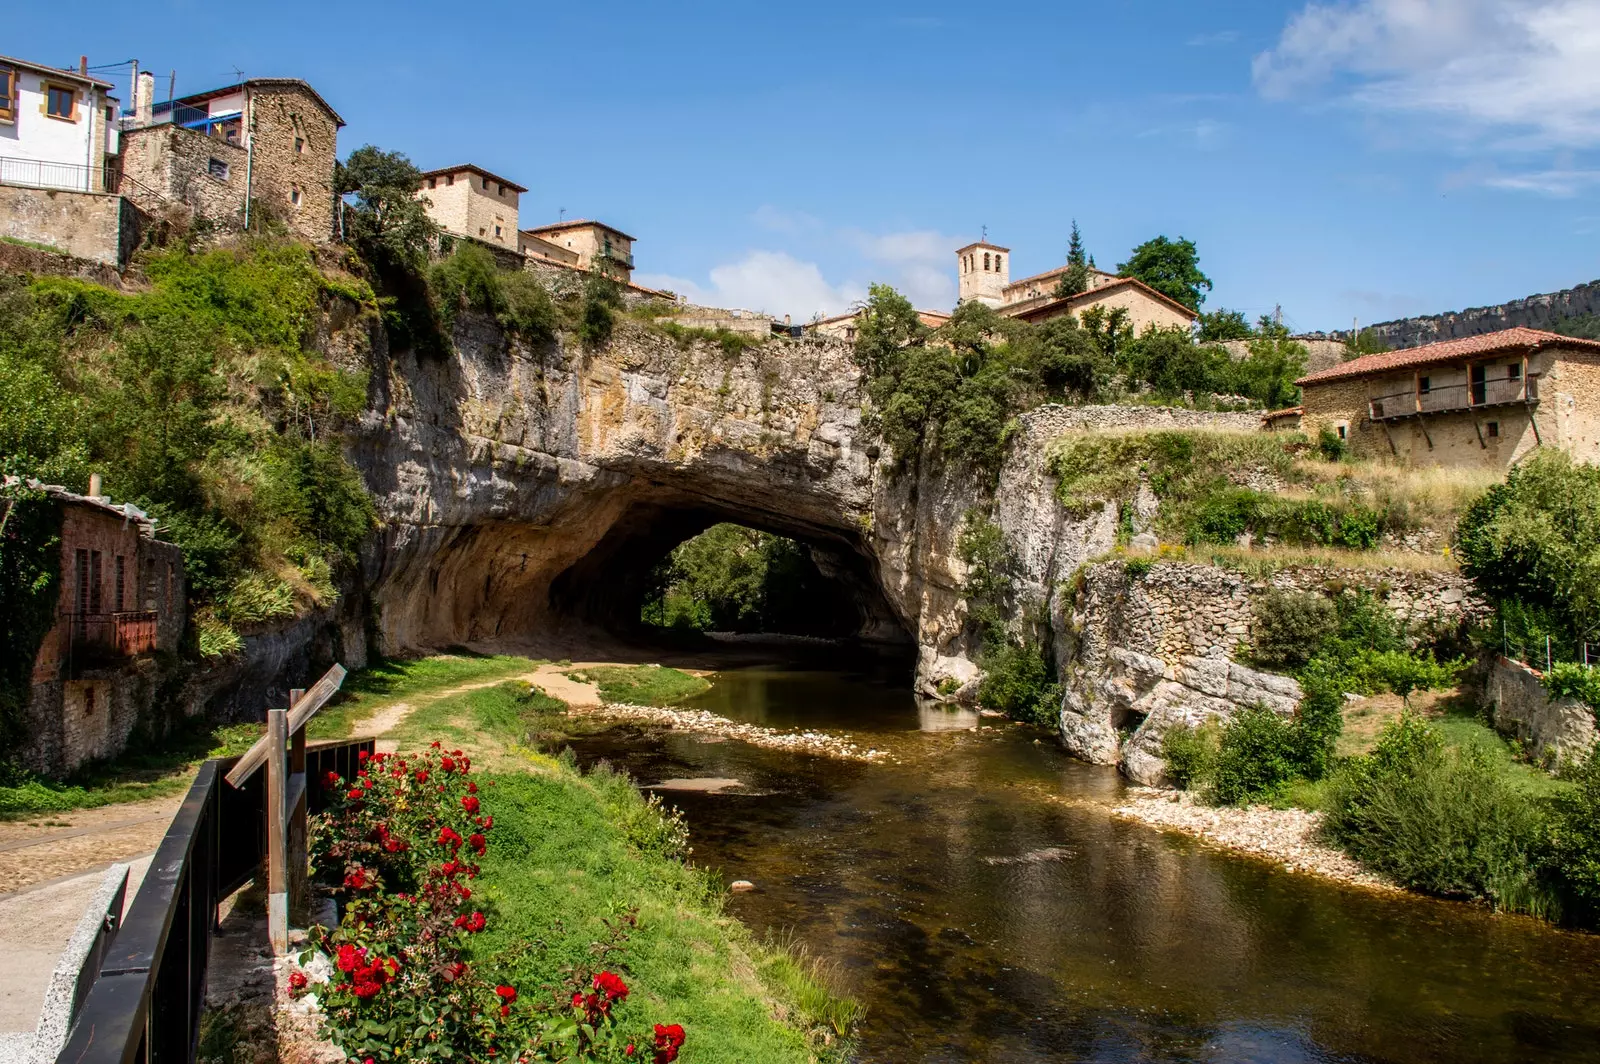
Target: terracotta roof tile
point(1446, 351)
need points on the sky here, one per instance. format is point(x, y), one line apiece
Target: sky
point(1347, 161)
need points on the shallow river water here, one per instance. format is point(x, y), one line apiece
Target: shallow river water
point(979, 899)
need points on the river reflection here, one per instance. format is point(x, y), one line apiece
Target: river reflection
point(981, 902)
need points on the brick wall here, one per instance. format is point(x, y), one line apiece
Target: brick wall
point(87, 225)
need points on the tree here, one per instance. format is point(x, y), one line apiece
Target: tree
point(1171, 267)
point(388, 219)
point(1222, 324)
point(1365, 342)
point(1076, 279)
point(1269, 373)
point(888, 322)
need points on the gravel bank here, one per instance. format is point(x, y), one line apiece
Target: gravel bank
point(699, 720)
point(1284, 836)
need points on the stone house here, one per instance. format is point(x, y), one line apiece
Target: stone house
point(598, 246)
point(264, 144)
point(1483, 400)
point(983, 272)
point(58, 162)
point(121, 602)
point(469, 201)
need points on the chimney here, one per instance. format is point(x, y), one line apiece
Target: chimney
point(83, 66)
point(94, 485)
point(144, 95)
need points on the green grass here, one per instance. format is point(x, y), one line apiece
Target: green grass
point(1470, 733)
point(642, 685)
point(571, 850)
point(387, 682)
point(35, 245)
point(163, 769)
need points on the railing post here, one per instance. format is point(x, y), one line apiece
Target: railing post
point(297, 856)
point(277, 837)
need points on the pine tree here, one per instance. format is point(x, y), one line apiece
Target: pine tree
point(1076, 278)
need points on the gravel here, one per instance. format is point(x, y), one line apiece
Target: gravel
point(807, 742)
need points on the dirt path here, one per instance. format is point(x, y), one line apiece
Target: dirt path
point(551, 679)
point(57, 846)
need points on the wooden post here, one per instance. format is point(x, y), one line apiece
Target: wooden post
point(298, 860)
point(277, 838)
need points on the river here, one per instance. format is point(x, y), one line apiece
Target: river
point(978, 897)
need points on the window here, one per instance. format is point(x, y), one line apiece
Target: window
point(497, 232)
point(1344, 431)
point(1424, 384)
point(299, 145)
point(449, 179)
point(294, 195)
point(96, 575)
point(217, 169)
point(985, 262)
point(88, 700)
point(997, 264)
point(80, 567)
point(1493, 428)
point(117, 592)
point(8, 94)
point(61, 102)
point(1514, 371)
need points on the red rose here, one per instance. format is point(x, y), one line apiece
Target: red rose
point(669, 1039)
point(363, 755)
point(476, 841)
point(356, 794)
point(509, 993)
point(630, 1050)
point(448, 765)
point(472, 788)
point(434, 745)
point(422, 775)
point(297, 982)
point(469, 803)
point(612, 986)
point(331, 780)
point(449, 837)
point(577, 1000)
point(350, 957)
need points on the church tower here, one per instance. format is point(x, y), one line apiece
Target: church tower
point(984, 269)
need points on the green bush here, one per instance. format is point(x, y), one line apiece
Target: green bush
point(1573, 848)
point(30, 581)
point(1330, 446)
point(1290, 627)
point(1017, 682)
point(597, 309)
point(467, 280)
point(1570, 679)
point(1258, 755)
point(1190, 753)
point(1440, 819)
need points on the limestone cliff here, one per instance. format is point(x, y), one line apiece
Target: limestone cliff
point(1535, 312)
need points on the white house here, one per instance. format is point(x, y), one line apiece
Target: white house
point(57, 127)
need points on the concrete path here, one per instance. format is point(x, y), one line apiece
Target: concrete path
point(35, 925)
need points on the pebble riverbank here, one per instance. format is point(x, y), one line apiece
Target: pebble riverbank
point(1284, 836)
point(699, 720)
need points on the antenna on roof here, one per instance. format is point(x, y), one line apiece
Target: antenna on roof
point(238, 75)
point(561, 214)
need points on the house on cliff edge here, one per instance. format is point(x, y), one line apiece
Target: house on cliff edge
point(983, 273)
point(121, 603)
point(1484, 400)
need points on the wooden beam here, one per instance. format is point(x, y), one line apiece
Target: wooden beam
point(277, 831)
point(299, 713)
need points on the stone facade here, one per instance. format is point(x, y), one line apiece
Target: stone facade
point(87, 225)
point(597, 245)
point(469, 201)
point(1559, 730)
point(1146, 308)
point(121, 604)
point(294, 143)
point(1139, 654)
point(169, 165)
point(983, 271)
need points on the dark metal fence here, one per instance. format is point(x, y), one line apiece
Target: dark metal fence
point(144, 1007)
point(70, 177)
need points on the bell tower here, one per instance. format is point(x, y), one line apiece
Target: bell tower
point(983, 269)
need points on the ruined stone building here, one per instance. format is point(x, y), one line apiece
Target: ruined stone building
point(1484, 400)
point(121, 603)
point(263, 145)
point(983, 272)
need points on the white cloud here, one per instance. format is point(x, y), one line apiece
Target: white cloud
point(1559, 183)
point(1529, 66)
point(773, 282)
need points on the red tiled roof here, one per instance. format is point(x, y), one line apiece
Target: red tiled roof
point(1446, 351)
point(982, 244)
point(1095, 293)
point(1057, 272)
point(474, 169)
point(1288, 411)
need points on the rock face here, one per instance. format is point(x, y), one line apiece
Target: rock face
point(1534, 312)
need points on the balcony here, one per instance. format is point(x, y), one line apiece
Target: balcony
point(1481, 394)
point(65, 177)
point(100, 640)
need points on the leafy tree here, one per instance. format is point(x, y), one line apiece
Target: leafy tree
point(1583, 326)
point(1222, 324)
point(1365, 342)
point(888, 324)
point(1170, 363)
point(1109, 329)
point(597, 311)
point(1171, 267)
point(1269, 373)
point(1070, 363)
point(1076, 279)
point(30, 564)
point(1532, 544)
point(388, 219)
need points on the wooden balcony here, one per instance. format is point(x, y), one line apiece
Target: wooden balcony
point(1484, 394)
point(101, 640)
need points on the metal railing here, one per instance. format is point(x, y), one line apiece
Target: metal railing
point(145, 1003)
point(101, 638)
point(1446, 398)
point(68, 177)
point(178, 114)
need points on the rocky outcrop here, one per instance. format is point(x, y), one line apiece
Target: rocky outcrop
point(1534, 312)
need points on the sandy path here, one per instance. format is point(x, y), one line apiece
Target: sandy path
point(551, 679)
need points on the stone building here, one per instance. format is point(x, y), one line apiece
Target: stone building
point(121, 603)
point(983, 272)
point(265, 144)
point(598, 246)
point(1483, 401)
point(469, 201)
point(843, 326)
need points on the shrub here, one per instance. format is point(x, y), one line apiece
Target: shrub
point(468, 279)
point(597, 309)
point(30, 579)
point(1190, 753)
point(1574, 841)
point(1016, 681)
point(1569, 679)
point(1291, 626)
point(1331, 447)
point(1256, 759)
point(529, 310)
point(1439, 819)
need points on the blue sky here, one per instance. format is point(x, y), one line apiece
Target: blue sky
point(1362, 159)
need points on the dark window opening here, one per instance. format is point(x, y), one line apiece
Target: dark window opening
point(997, 264)
point(1514, 371)
point(299, 145)
point(217, 169)
point(1343, 431)
point(985, 262)
point(80, 566)
point(61, 102)
point(96, 595)
point(88, 700)
point(117, 594)
point(1424, 385)
point(1493, 429)
point(8, 94)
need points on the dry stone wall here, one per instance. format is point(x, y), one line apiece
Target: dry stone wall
point(1557, 730)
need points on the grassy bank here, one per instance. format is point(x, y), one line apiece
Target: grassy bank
point(642, 685)
point(381, 685)
point(574, 855)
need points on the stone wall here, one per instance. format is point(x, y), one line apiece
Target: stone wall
point(1140, 653)
point(87, 225)
point(294, 144)
point(1557, 730)
point(15, 258)
point(171, 165)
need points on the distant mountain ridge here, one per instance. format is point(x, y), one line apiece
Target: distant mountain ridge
point(1535, 312)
